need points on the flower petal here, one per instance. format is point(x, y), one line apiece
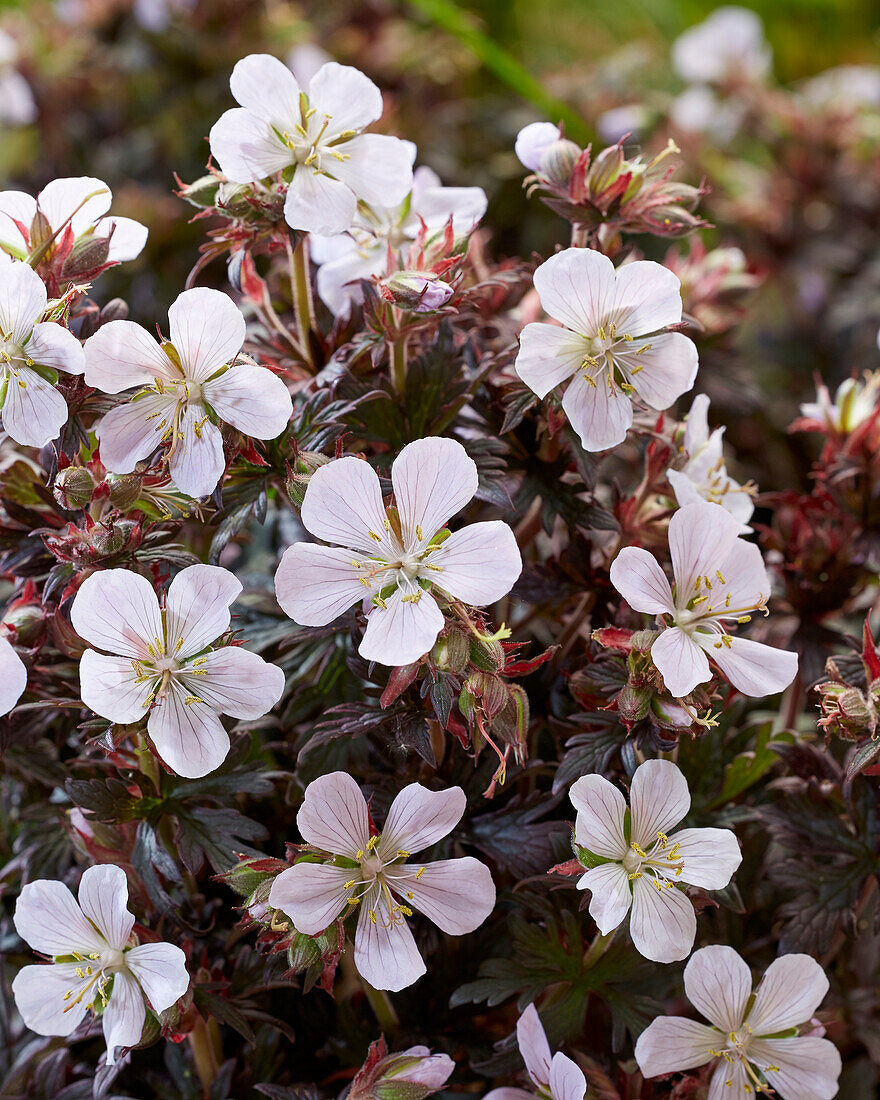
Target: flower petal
point(252, 399)
point(126, 238)
point(711, 856)
point(480, 563)
point(103, 898)
point(612, 895)
point(237, 682)
point(117, 610)
point(646, 297)
point(701, 536)
point(385, 953)
point(663, 372)
point(680, 661)
point(343, 505)
point(435, 204)
point(567, 1081)
point(729, 1080)
point(122, 354)
point(22, 300)
point(197, 608)
point(419, 818)
point(48, 918)
point(132, 431)
point(267, 88)
point(433, 480)
point(15, 206)
point(339, 279)
point(637, 576)
point(189, 737)
point(548, 355)
point(663, 924)
point(659, 798)
point(39, 997)
point(160, 969)
point(753, 668)
point(673, 1043)
point(576, 286)
point(246, 147)
point(600, 814)
point(52, 346)
point(206, 329)
point(531, 142)
point(791, 990)
point(123, 1018)
point(377, 168)
point(109, 686)
point(346, 96)
point(34, 412)
point(77, 201)
point(401, 633)
point(197, 463)
point(13, 677)
point(311, 894)
point(808, 1067)
point(315, 584)
point(600, 416)
point(456, 894)
point(316, 203)
point(334, 815)
point(533, 1046)
point(718, 983)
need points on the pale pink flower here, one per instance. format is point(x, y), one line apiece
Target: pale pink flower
point(555, 1076)
point(187, 384)
point(314, 136)
point(728, 44)
point(32, 351)
point(456, 894)
point(720, 581)
point(753, 1042)
point(99, 965)
point(612, 346)
point(531, 142)
point(13, 677)
point(398, 562)
point(640, 875)
point(161, 663)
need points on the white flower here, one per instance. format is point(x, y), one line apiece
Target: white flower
point(316, 132)
point(17, 106)
point(704, 475)
point(720, 581)
point(698, 110)
point(31, 351)
point(162, 663)
point(456, 894)
point(606, 347)
point(13, 677)
point(79, 204)
point(845, 87)
point(98, 963)
point(854, 402)
point(396, 560)
point(729, 44)
point(531, 142)
point(753, 1038)
point(189, 383)
point(640, 874)
point(556, 1076)
point(364, 251)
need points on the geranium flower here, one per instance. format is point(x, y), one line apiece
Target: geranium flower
point(189, 384)
point(704, 475)
point(78, 204)
point(161, 663)
point(640, 874)
point(399, 559)
point(13, 676)
point(855, 402)
point(99, 965)
point(607, 350)
point(729, 44)
point(31, 352)
point(556, 1076)
point(363, 251)
point(371, 872)
point(720, 581)
point(314, 137)
point(17, 105)
point(754, 1042)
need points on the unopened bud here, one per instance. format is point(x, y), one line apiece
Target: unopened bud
point(491, 691)
point(115, 310)
point(605, 169)
point(304, 466)
point(125, 490)
point(88, 254)
point(450, 652)
point(633, 704)
point(73, 487)
point(201, 193)
point(487, 655)
point(26, 623)
point(419, 291)
point(558, 160)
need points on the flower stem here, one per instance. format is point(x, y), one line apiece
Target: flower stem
point(598, 948)
point(381, 1005)
point(397, 355)
point(301, 286)
point(148, 764)
point(203, 1042)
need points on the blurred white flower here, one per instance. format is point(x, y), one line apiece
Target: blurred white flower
point(17, 104)
point(845, 87)
point(13, 676)
point(728, 44)
point(854, 402)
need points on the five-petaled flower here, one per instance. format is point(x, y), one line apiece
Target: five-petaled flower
point(315, 138)
point(555, 1076)
point(370, 873)
point(753, 1037)
point(31, 351)
point(13, 676)
point(189, 384)
point(636, 865)
point(398, 558)
point(720, 580)
point(160, 662)
point(612, 345)
point(98, 963)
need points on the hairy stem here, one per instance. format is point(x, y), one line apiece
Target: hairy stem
point(382, 1007)
point(301, 287)
point(204, 1042)
point(397, 356)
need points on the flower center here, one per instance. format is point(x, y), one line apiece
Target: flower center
point(12, 358)
point(710, 603)
point(662, 862)
point(379, 878)
point(601, 364)
point(402, 567)
point(308, 141)
point(735, 1050)
point(94, 972)
point(160, 668)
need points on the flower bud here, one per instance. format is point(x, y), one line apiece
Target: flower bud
point(125, 489)
point(558, 160)
point(88, 254)
point(304, 466)
point(487, 654)
point(419, 291)
point(490, 690)
point(26, 622)
point(450, 652)
point(201, 193)
point(248, 874)
point(73, 487)
point(633, 704)
point(115, 310)
point(411, 1074)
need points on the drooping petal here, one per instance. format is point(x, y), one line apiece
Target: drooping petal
point(132, 431)
point(77, 201)
point(334, 816)
point(315, 584)
point(753, 668)
point(533, 1046)
point(664, 371)
point(346, 96)
point(637, 576)
point(456, 894)
point(237, 682)
point(117, 610)
point(600, 814)
point(696, 429)
point(267, 88)
point(160, 969)
point(13, 677)
point(576, 286)
point(343, 505)
point(659, 798)
point(663, 924)
point(124, 1016)
point(48, 918)
point(311, 894)
point(401, 632)
point(646, 297)
point(433, 480)
point(189, 737)
point(22, 300)
point(52, 346)
point(126, 238)
point(612, 895)
point(700, 538)
point(567, 1081)
point(122, 354)
point(791, 990)
point(197, 462)
point(548, 355)
point(103, 898)
point(110, 687)
point(246, 147)
point(385, 953)
point(15, 206)
point(435, 205)
point(377, 168)
point(316, 203)
point(601, 416)
point(710, 856)
point(680, 661)
point(419, 818)
point(39, 997)
point(808, 1067)
point(207, 330)
point(479, 563)
point(34, 412)
point(252, 399)
point(673, 1043)
point(197, 608)
point(718, 983)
